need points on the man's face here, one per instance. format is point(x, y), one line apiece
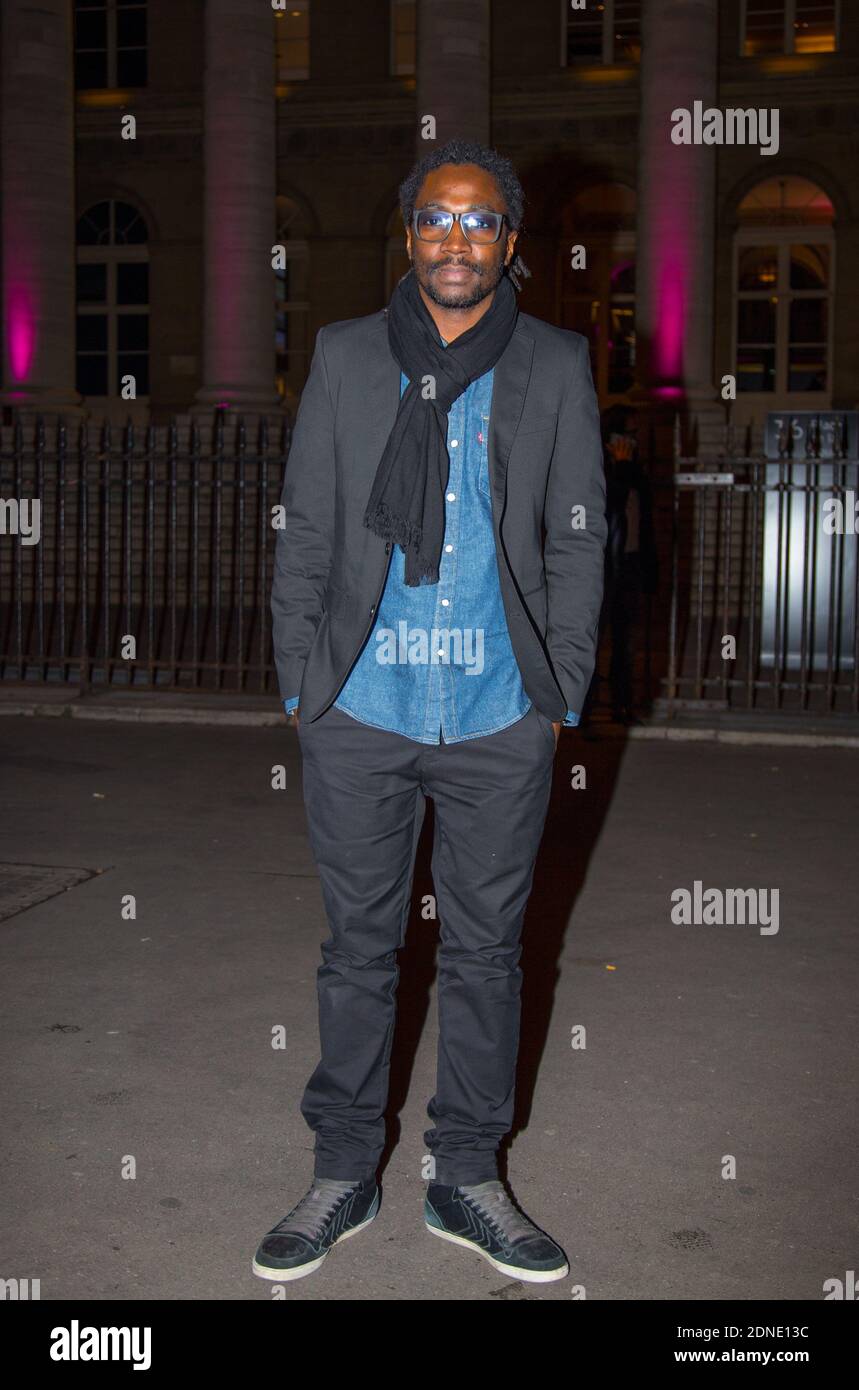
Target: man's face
point(455, 273)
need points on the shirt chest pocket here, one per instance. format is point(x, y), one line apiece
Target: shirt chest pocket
point(482, 447)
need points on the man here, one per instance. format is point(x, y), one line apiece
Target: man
point(631, 559)
point(444, 490)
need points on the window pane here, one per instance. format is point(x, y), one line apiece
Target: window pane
point(132, 331)
point(808, 321)
point(92, 333)
point(129, 226)
point(627, 31)
point(91, 29)
point(132, 282)
point(756, 321)
point(90, 70)
point(91, 376)
point(757, 268)
point(93, 228)
point(809, 267)
point(91, 284)
point(764, 27)
point(131, 29)
point(806, 369)
point(814, 29)
point(292, 38)
point(756, 369)
point(136, 365)
point(131, 67)
point(404, 53)
point(584, 36)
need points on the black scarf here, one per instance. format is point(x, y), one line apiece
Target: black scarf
point(406, 503)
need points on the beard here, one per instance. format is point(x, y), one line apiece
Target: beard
point(458, 297)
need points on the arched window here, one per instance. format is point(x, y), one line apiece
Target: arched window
point(291, 302)
point(784, 266)
point(598, 299)
point(112, 300)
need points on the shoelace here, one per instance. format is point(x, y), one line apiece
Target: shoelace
point(309, 1216)
point(494, 1205)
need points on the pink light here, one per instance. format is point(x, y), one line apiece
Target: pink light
point(22, 332)
point(669, 333)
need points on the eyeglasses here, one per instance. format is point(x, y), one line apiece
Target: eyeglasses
point(481, 228)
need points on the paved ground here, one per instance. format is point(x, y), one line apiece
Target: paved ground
point(149, 1039)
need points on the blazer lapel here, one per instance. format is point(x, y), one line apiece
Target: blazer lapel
point(509, 388)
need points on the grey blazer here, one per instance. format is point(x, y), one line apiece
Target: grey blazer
point(545, 460)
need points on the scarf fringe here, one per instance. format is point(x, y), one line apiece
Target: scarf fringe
point(398, 529)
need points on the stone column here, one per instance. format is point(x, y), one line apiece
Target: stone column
point(676, 212)
point(239, 142)
point(37, 205)
point(453, 70)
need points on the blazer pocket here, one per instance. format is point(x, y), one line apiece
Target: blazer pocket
point(545, 431)
point(537, 425)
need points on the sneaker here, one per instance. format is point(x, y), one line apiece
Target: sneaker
point(329, 1212)
point(482, 1217)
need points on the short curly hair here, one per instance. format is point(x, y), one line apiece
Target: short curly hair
point(466, 152)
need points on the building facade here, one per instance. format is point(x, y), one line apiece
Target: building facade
point(191, 190)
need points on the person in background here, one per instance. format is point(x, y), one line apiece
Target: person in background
point(631, 565)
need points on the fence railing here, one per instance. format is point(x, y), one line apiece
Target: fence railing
point(154, 557)
point(153, 563)
point(765, 585)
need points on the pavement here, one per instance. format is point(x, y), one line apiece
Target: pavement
point(686, 1116)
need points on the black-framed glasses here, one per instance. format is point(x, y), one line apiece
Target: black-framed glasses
point(481, 228)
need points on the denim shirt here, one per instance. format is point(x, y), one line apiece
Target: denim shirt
point(439, 661)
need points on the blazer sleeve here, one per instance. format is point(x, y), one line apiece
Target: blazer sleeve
point(304, 542)
point(573, 555)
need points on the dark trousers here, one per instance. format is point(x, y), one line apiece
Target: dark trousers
point(364, 794)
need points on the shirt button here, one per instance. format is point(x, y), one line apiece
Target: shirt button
point(445, 603)
point(454, 443)
point(448, 547)
point(451, 497)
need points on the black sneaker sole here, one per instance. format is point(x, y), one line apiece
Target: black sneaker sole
point(531, 1276)
point(299, 1271)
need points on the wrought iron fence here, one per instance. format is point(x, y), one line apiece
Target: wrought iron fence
point(154, 560)
point(155, 555)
